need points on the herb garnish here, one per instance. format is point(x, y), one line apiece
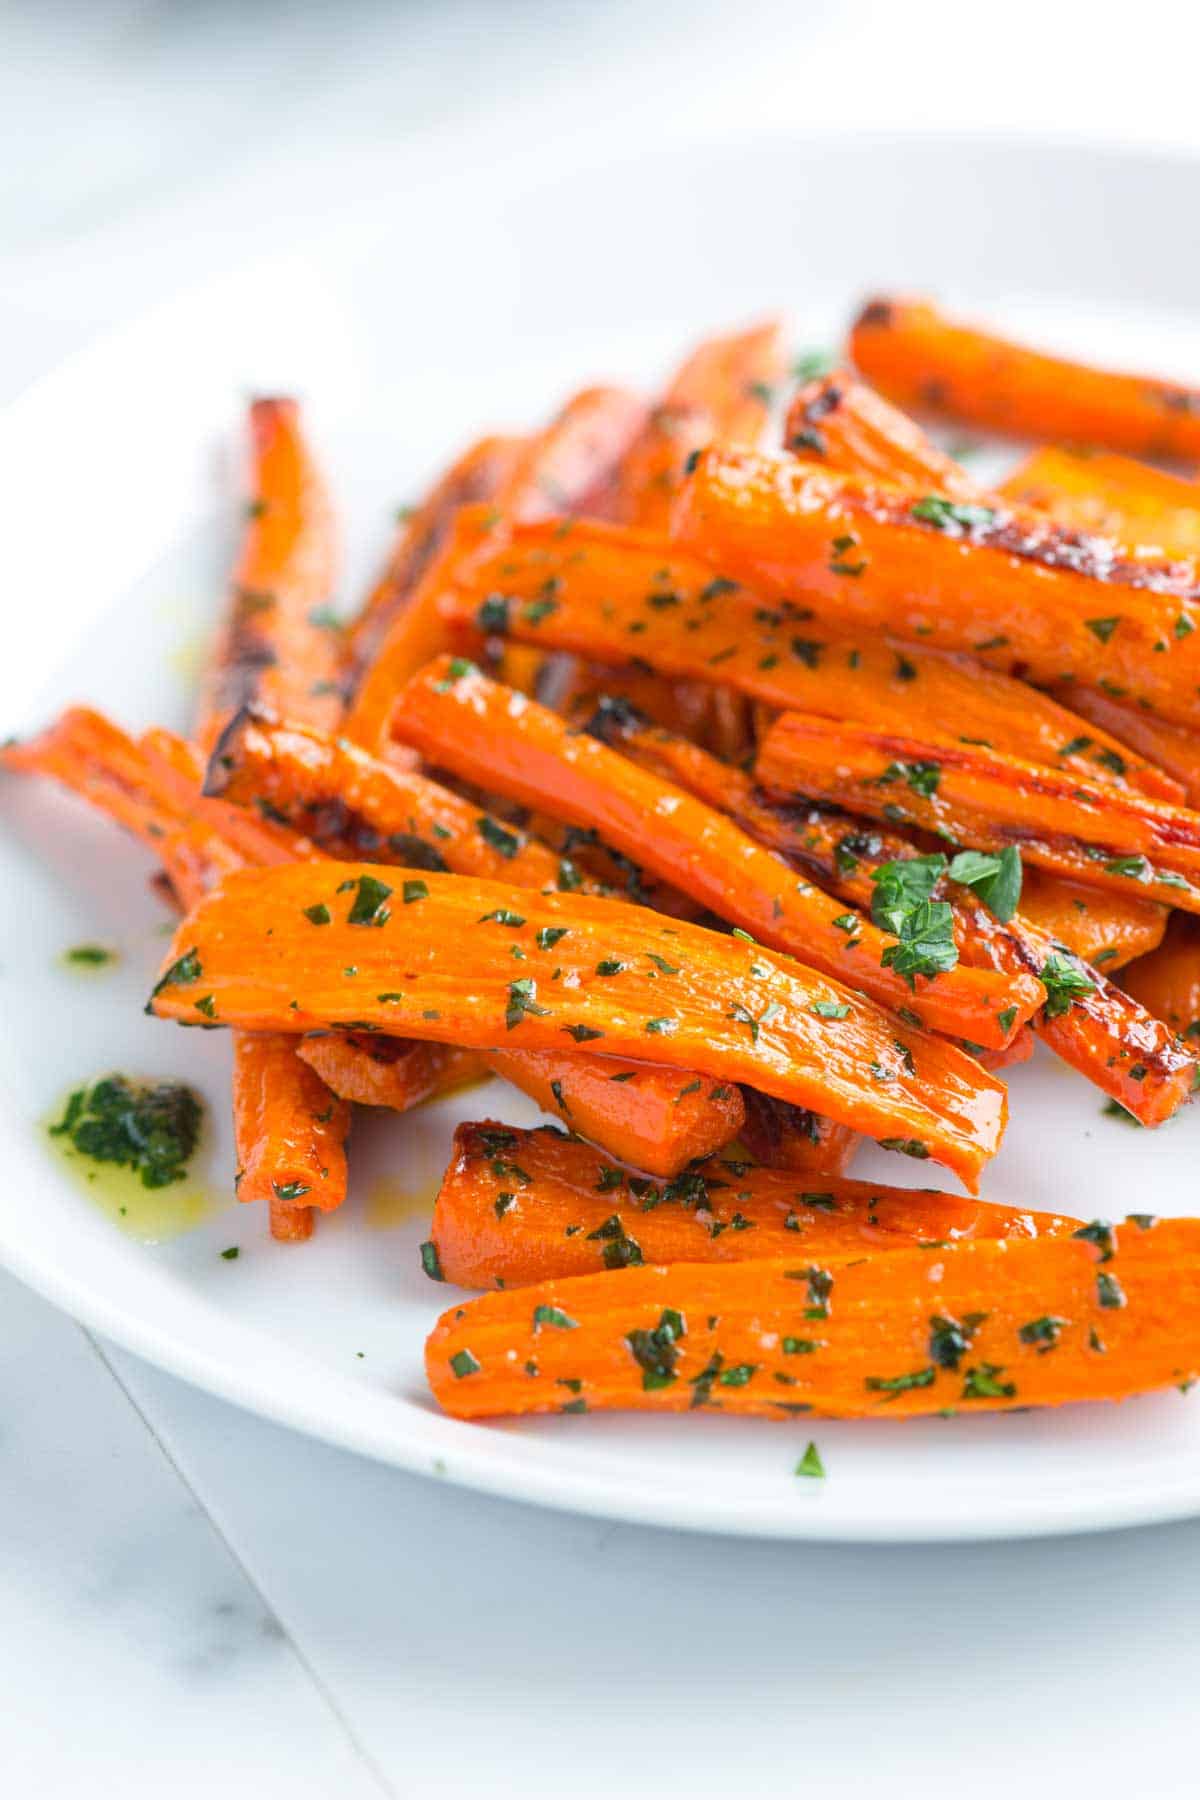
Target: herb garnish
point(153, 1130)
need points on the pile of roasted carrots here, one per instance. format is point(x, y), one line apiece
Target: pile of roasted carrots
point(736, 804)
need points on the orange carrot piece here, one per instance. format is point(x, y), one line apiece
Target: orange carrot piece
point(1142, 508)
point(475, 476)
point(1104, 1035)
point(780, 1136)
point(433, 967)
point(517, 1207)
point(998, 582)
point(979, 1326)
point(928, 362)
point(1167, 982)
point(840, 421)
point(1098, 835)
point(654, 1119)
point(289, 1130)
point(280, 645)
point(355, 805)
point(724, 390)
point(607, 594)
point(567, 467)
point(1173, 748)
point(398, 1073)
point(485, 732)
point(291, 1224)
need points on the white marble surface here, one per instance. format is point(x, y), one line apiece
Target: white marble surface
point(193, 1602)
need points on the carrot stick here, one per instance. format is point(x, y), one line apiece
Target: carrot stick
point(280, 645)
point(930, 363)
point(291, 1224)
point(484, 732)
point(289, 1130)
point(1167, 982)
point(398, 1073)
point(1000, 583)
point(475, 476)
point(1098, 835)
point(179, 766)
point(609, 594)
point(780, 1136)
point(1142, 508)
point(840, 421)
point(1101, 927)
point(517, 1207)
point(978, 1326)
point(355, 805)
point(723, 389)
point(597, 971)
point(1104, 1035)
point(568, 467)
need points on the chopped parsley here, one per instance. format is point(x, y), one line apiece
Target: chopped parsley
point(950, 515)
point(369, 901)
point(522, 1002)
point(810, 1464)
point(1064, 980)
point(151, 1129)
point(497, 836)
point(996, 879)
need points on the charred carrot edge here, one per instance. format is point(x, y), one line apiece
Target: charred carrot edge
point(1167, 982)
point(568, 467)
point(486, 733)
point(180, 767)
point(840, 421)
point(280, 646)
point(779, 1136)
point(398, 1073)
point(974, 796)
point(978, 1326)
point(475, 476)
point(517, 1207)
point(656, 1120)
point(613, 976)
point(356, 805)
point(289, 1130)
point(1104, 1035)
point(929, 362)
point(610, 594)
point(1001, 583)
point(723, 389)
point(1144, 509)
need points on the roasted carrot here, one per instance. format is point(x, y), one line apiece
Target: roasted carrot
point(597, 971)
point(291, 1224)
point(840, 421)
point(398, 1073)
point(516, 1207)
point(974, 796)
point(1173, 748)
point(780, 1136)
point(569, 466)
point(475, 476)
point(609, 594)
point(280, 645)
point(1167, 982)
point(723, 389)
point(289, 1130)
point(654, 1119)
point(1104, 1034)
point(931, 363)
point(485, 732)
point(1001, 583)
point(1142, 508)
point(978, 1326)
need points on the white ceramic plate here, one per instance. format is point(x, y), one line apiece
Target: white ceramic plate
point(493, 300)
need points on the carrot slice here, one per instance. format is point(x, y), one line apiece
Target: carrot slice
point(1143, 508)
point(1167, 982)
point(600, 972)
point(840, 421)
point(998, 582)
point(608, 594)
point(979, 1326)
point(475, 476)
point(1098, 835)
point(516, 1207)
point(487, 733)
point(280, 646)
point(289, 1130)
point(723, 389)
point(1104, 1035)
point(398, 1073)
point(780, 1136)
point(928, 362)
point(1104, 928)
